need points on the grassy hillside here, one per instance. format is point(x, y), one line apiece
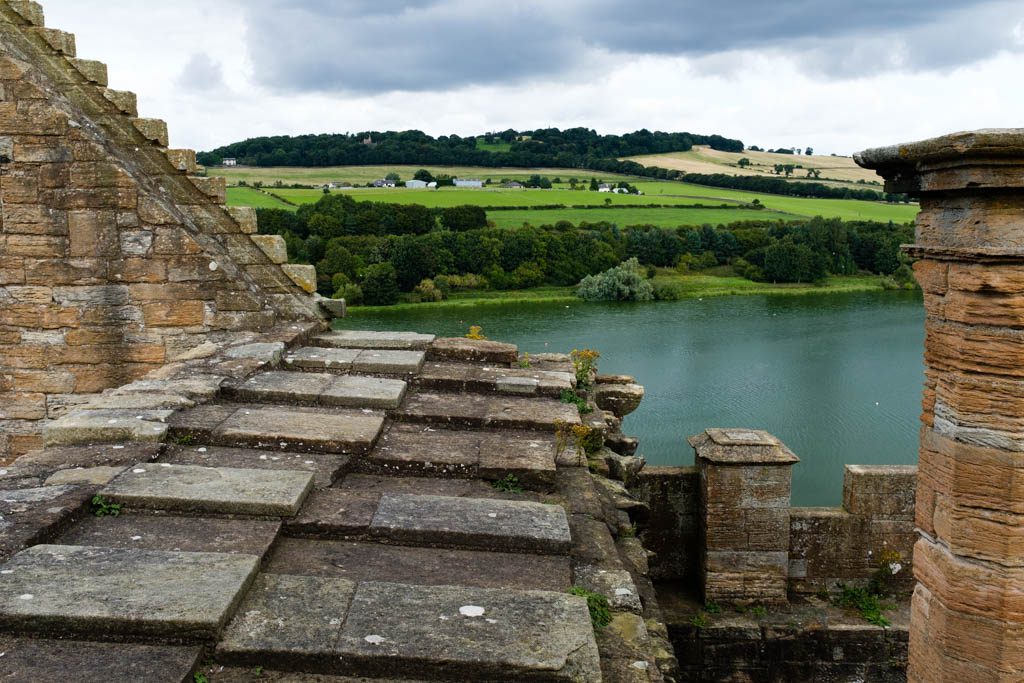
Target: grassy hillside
point(703, 159)
point(655, 192)
point(360, 175)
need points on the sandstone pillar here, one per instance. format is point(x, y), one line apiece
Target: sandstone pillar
point(968, 606)
point(745, 481)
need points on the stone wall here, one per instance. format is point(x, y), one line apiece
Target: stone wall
point(827, 545)
point(114, 256)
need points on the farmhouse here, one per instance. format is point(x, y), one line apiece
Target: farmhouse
point(416, 184)
point(604, 187)
point(383, 182)
point(230, 161)
point(512, 185)
point(458, 182)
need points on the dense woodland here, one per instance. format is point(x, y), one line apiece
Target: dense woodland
point(370, 252)
point(547, 147)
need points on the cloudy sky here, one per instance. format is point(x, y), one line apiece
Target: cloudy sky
point(837, 75)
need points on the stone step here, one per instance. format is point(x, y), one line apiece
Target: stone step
point(494, 379)
point(414, 449)
point(337, 360)
point(363, 561)
point(224, 490)
point(132, 530)
point(473, 350)
point(291, 429)
point(389, 629)
point(435, 521)
point(326, 467)
point(39, 514)
point(348, 391)
point(369, 339)
point(501, 412)
point(102, 592)
point(37, 660)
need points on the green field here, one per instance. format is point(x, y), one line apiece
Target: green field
point(665, 218)
point(246, 196)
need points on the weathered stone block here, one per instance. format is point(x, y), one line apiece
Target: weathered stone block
point(154, 130)
point(302, 275)
point(273, 246)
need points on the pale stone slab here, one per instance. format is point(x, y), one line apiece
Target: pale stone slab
point(165, 486)
point(284, 617)
point(92, 590)
point(615, 584)
point(369, 339)
point(106, 426)
point(321, 358)
point(284, 386)
point(354, 391)
point(472, 633)
point(37, 660)
point(298, 430)
point(326, 467)
point(84, 475)
point(472, 523)
point(264, 352)
point(389, 362)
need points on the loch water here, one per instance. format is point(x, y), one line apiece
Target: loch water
point(836, 376)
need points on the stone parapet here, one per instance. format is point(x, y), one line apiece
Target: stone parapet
point(966, 622)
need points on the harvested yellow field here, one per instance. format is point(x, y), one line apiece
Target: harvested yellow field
point(703, 159)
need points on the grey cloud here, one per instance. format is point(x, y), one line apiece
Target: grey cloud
point(202, 74)
point(361, 46)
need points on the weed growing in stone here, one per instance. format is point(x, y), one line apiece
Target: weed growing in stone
point(597, 604)
point(586, 439)
point(570, 396)
point(759, 611)
point(199, 677)
point(101, 507)
point(700, 620)
point(184, 439)
point(475, 332)
point(524, 360)
point(584, 363)
point(868, 603)
point(509, 484)
point(712, 607)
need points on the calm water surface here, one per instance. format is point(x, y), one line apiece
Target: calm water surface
point(836, 376)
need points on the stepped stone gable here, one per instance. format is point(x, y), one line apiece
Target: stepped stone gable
point(114, 256)
point(967, 618)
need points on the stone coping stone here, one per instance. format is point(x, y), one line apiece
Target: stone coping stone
point(287, 621)
point(326, 467)
point(430, 486)
point(474, 350)
point(111, 591)
point(347, 391)
point(135, 531)
point(389, 362)
point(37, 515)
point(369, 339)
point(227, 490)
point(469, 410)
point(529, 457)
point(295, 429)
point(475, 633)
point(741, 447)
point(38, 660)
point(472, 523)
point(363, 561)
point(321, 358)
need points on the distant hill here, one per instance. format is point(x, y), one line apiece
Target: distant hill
point(706, 160)
point(548, 147)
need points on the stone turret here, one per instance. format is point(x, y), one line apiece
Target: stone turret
point(114, 257)
point(968, 617)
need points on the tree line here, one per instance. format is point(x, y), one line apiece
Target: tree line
point(372, 252)
point(546, 147)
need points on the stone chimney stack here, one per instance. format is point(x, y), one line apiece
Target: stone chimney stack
point(968, 606)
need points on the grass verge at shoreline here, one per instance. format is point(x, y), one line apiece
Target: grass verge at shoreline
point(693, 286)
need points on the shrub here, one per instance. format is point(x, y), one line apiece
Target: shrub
point(428, 291)
point(624, 282)
point(380, 286)
point(346, 289)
